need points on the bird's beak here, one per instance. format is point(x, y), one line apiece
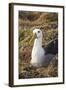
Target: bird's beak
point(33, 38)
point(34, 35)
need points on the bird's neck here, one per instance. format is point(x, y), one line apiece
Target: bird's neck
point(38, 42)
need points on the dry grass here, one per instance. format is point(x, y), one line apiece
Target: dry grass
point(28, 71)
point(49, 24)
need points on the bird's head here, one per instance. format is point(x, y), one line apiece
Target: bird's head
point(37, 34)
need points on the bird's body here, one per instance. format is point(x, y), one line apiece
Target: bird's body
point(37, 53)
point(39, 56)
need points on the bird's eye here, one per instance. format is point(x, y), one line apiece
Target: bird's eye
point(38, 31)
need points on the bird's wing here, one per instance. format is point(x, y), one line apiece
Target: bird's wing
point(52, 47)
